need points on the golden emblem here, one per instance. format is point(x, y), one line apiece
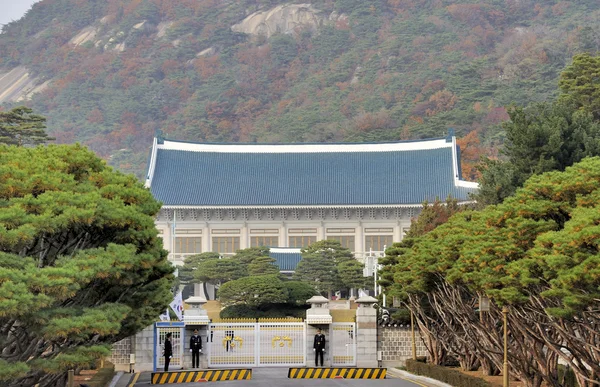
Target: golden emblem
point(281, 341)
point(232, 341)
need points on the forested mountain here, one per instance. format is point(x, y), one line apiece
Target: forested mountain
point(110, 73)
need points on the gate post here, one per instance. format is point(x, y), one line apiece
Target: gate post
point(366, 324)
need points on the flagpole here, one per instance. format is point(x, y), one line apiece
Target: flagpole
point(173, 239)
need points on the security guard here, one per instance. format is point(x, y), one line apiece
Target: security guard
point(319, 347)
point(196, 349)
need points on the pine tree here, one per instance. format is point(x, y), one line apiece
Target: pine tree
point(20, 126)
point(80, 261)
point(317, 270)
point(263, 266)
point(580, 83)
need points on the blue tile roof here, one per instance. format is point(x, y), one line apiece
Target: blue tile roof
point(204, 178)
point(287, 261)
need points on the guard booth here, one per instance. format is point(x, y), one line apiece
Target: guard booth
point(177, 330)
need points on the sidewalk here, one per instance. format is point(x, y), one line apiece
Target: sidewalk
point(422, 380)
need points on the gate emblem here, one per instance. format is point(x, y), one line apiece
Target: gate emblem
point(230, 342)
point(281, 341)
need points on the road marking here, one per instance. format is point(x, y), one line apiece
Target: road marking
point(134, 380)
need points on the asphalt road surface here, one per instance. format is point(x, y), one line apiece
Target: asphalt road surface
point(277, 377)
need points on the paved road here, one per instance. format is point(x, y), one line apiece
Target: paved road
point(277, 377)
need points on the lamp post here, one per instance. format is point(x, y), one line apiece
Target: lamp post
point(505, 370)
point(412, 329)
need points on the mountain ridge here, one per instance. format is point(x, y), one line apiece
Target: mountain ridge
point(114, 72)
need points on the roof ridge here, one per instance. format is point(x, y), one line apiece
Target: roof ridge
point(304, 143)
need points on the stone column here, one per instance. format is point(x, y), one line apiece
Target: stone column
point(359, 243)
point(366, 332)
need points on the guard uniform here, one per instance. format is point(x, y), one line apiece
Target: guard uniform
point(319, 347)
point(196, 348)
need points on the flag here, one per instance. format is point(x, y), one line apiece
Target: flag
point(177, 306)
point(164, 316)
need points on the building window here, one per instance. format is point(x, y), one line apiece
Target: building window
point(377, 242)
point(225, 245)
point(301, 240)
point(185, 246)
point(269, 241)
point(347, 241)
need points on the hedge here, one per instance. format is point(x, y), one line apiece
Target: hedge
point(103, 377)
point(444, 374)
point(264, 311)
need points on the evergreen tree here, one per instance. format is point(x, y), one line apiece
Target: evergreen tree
point(331, 249)
point(191, 264)
point(540, 138)
point(219, 270)
point(20, 126)
point(246, 256)
point(263, 266)
point(317, 270)
point(299, 292)
point(320, 265)
point(81, 265)
point(580, 83)
point(254, 291)
point(537, 252)
point(351, 275)
point(548, 136)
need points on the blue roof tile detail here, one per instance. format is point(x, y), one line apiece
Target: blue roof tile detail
point(286, 261)
point(186, 178)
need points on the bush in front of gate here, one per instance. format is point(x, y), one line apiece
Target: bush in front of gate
point(264, 311)
point(444, 374)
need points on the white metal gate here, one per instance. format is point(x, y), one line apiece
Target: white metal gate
point(343, 344)
point(256, 344)
point(176, 342)
point(231, 345)
point(281, 344)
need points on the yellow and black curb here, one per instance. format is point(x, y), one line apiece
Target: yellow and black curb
point(337, 373)
point(200, 376)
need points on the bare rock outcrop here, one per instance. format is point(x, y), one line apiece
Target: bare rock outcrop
point(17, 85)
point(85, 35)
point(283, 19)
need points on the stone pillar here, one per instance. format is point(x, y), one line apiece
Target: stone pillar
point(283, 238)
point(366, 332)
point(359, 242)
point(319, 311)
point(245, 237)
point(205, 238)
point(143, 347)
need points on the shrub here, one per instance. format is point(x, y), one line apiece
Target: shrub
point(264, 311)
point(103, 377)
point(566, 376)
point(443, 374)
